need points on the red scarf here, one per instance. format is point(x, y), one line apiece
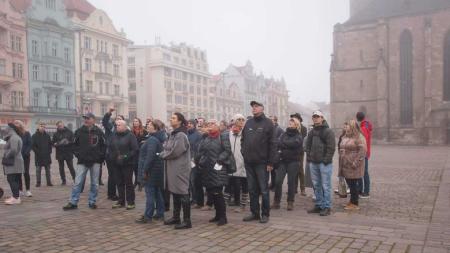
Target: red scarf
point(138, 131)
point(213, 135)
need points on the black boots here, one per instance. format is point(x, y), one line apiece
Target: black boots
point(219, 204)
point(180, 201)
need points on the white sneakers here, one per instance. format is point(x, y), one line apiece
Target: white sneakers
point(13, 201)
point(28, 194)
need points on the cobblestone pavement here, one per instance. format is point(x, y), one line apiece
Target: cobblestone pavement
point(409, 211)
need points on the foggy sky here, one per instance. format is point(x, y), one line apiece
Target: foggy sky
point(282, 38)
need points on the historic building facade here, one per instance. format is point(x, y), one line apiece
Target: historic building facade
point(392, 60)
point(167, 79)
point(50, 63)
point(100, 60)
point(14, 90)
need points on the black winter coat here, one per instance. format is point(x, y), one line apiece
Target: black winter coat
point(89, 145)
point(42, 148)
point(26, 144)
point(211, 151)
point(63, 142)
point(123, 148)
point(290, 145)
point(259, 141)
point(150, 162)
point(194, 137)
point(320, 144)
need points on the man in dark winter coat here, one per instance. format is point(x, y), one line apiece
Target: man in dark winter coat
point(123, 148)
point(320, 146)
point(89, 148)
point(42, 148)
point(63, 142)
point(109, 127)
point(259, 152)
point(195, 137)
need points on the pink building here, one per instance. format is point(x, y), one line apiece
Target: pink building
point(14, 95)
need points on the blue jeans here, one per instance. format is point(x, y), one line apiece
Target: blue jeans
point(154, 194)
point(364, 182)
point(81, 172)
point(321, 178)
point(258, 184)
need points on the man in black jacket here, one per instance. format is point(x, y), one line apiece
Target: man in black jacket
point(259, 152)
point(89, 148)
point(319, 147)
point(63, 142)
point(123, 148)
point(278, 131)
point(42, 148)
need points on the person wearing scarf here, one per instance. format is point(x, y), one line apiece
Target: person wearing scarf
point(141, 136)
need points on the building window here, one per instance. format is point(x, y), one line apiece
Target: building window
point(132, 86)
point(100, 88)
point(205, 91)
point(406, 78)
point(191, 89)
point(115, 51)
point(205, 80)
point(116, 70)
point(68, 101)
point(87, 42)
point(2, 66)
point(199, 91)
point(103, 108)
point(35, 75)
point(192, 102)
point(49, 100)
point(89, 86)
point(56, 104)
point(66, 55)
point(168, 84)
point(87, 64)
point(132, 73)
point(14, 98)
point(185, 75)
point(68, 77)
point(183, 62)
point(177, 74)
point(167, 71)
point(131, 60)
point(21, 98)
point(132, 99)
point(178, 86)
point(167, 57)
point(199, 102)
point(50, 4)
point(17, 70)
point(100, 66)
point(117, 90)
point(54, 49)
point(185, 102)
point(199, 79)
point(169, 98)
point(178, 100)
point(107, 88)
point(16, 43)
point(35, 47)
point(36, 95)
point(55, 74)
point(447, 68)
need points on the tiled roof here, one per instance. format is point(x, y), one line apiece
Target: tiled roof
point(392, 8)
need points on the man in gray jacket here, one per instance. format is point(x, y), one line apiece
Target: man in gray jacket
point(319, 147)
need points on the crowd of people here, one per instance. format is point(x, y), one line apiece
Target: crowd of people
point(231, 163)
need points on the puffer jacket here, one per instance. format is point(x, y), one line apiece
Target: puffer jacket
point(150, 162)
point(26, 144)
point(42, 148)
point(123, 148)
point(63, 142)
point(89, 145)
point(320, 144)
point(213, 151)
point(290, 145)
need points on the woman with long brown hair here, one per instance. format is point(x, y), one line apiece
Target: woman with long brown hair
point(352, 152)
point(140, 133)
point(26, 149)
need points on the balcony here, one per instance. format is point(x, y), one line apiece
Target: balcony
point(13, 108)
point(40, 109)
point(103, 76)
point(103, 56)
point(6, 80)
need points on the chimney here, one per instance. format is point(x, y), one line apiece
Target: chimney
point(358, 5)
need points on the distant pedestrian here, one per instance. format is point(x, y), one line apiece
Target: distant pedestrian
point(259, 152)
point(26, 150)
point(352, 153)
point(63, 142)
point(366, 130)
point(320, 147)
point(12, 162)
point(89, 148)
point(42, 148)
point(176, 153)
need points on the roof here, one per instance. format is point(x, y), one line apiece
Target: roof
point(82, 7)
point(20, 5)
point(392, 8)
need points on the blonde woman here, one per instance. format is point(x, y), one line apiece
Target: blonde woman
point(352, 153)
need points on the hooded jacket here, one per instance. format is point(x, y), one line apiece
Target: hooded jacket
point(320, 144)
point(290, 145)
point(259, 141)
point(150, 162)
point(89, 145)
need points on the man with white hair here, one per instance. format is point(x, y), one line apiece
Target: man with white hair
point(123, 148)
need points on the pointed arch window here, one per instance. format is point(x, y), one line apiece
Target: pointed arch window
point(406, 78)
